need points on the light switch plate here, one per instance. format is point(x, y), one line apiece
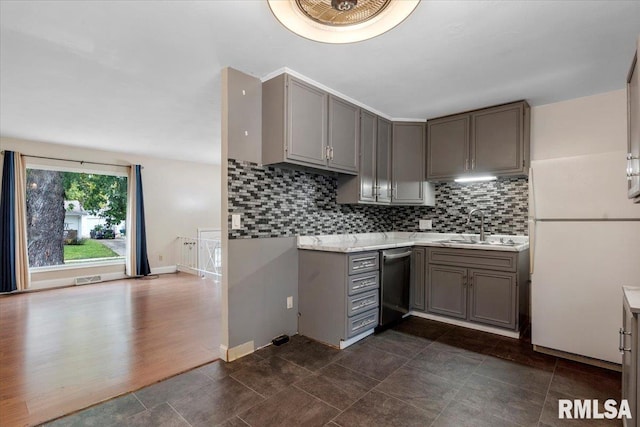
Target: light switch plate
point(236, 224)
point(425, 224)
point(289, 302)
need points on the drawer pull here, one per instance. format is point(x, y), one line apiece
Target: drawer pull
point(621, 347)
point(363, 324)
point(363, 304)
point(365, 285)
point(364, 259)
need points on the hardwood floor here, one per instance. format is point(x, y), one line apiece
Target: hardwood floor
point(63, 350)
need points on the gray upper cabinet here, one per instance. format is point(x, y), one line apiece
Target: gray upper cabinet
point(373, 183)
point(300, 124)
point(383, 161)
point(448, 147)
point(408, 151)
point(344, 124)
point(489, 141)
point(306, 123)
point(497, 140)
point(367, 176)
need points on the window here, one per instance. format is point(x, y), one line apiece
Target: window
point(75, 217)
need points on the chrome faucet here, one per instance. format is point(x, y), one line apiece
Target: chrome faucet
point(471, 212)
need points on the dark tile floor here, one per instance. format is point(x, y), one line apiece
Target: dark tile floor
point(422, 373)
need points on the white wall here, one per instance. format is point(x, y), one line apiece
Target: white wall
point(590, 125)
point(179, 196)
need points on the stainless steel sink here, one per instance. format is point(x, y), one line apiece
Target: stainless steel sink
point(477, 242)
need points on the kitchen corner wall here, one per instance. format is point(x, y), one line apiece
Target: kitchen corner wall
point(280, 202)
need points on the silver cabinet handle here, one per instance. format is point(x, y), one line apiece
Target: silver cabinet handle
point(473, 164)
point(364, 259)
point(363, 304)
point(331, 153)
point(363, 324)
point(365, 285)
point(326, 152)
point(621, 347)
point(466, 164)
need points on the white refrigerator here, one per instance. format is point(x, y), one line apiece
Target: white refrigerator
point(585, 245)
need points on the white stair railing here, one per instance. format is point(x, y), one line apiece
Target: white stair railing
point(199, 256)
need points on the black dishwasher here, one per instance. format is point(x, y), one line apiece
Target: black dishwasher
point(394, 286)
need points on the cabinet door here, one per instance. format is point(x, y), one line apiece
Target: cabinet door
point(418, 282)
point(306, 123)
point(447, 291)
point(633, 129)
point(493, 298)
point(629, 342)
point(408, 163)
point(344, 131)
point(497, 139)
point(448, 147)
point(368, 131)
point(383, 161)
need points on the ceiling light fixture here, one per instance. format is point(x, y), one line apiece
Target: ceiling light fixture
point(476, 179)
point(341, 21)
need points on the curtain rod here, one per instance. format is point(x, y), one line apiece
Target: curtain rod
point(75, 161)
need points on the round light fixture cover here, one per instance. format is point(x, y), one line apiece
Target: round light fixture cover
point(318, 20)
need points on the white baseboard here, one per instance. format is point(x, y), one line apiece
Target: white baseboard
point(164, 270)
point(351, 341)
point(224, 352)
point(497, 331)
point(240, 350)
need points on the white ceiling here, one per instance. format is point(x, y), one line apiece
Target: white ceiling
point(144, 76)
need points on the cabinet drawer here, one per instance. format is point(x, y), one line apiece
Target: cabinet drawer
point(366, 261)
point(492, 260)
point(361, 323)
point(364, 282)
point(362, 302)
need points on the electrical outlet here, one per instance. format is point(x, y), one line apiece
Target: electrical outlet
point(425, 224)
point(289, 302)
point(236, 223)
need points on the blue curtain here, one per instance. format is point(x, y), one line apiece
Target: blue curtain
point(142, 261)
point(8, 225)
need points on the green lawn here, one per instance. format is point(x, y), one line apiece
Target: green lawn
point(90, 249)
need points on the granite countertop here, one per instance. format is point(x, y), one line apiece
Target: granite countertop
point(375, 241)
point(632, 295)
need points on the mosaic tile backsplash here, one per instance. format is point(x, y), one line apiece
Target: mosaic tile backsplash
point(280, 202)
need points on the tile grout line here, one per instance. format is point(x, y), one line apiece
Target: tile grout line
point(244, 385)
point(546, 397)
point(138, 399)
point(315, 397)
point(179, 414)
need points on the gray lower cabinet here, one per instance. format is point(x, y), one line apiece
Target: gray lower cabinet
point(417, 291)
point(630, 349)
point(492, 141)
point(447, 291)
point(304, 126)
point(408, 177)
point(633, 129)
point(492, 297)
point(487, 287)
point(338, 294)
